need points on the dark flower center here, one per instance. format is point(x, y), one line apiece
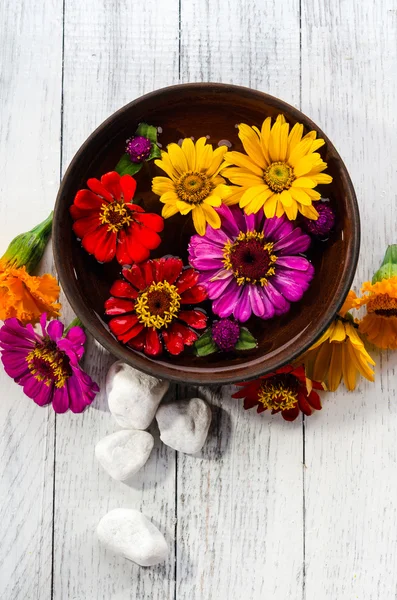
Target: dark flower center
point(115, 215)
point(225, 334)
point(138, 148)
point(193, 187)
point(158, 305)
point(47, 363)
point(250, 258)
point(279, 392)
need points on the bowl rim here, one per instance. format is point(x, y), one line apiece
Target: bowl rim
point(196, 375)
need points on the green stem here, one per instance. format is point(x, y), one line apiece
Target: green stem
point(75, 323)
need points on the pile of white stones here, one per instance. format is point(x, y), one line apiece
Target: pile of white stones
point(134, 401)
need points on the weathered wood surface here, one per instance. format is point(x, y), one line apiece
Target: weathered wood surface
point(297, 511)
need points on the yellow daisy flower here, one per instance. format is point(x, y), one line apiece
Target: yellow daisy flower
point(193, 184)
point(339, 353)
point(380, 322)
point(279, 171)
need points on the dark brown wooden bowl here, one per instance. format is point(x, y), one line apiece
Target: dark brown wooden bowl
point(197, 110)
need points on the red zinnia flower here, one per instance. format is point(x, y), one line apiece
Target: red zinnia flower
point(149, 306)
point(109, 225)
point(286, 390)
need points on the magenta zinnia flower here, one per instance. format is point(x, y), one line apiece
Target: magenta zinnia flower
point(47, 365)
point(250, 265)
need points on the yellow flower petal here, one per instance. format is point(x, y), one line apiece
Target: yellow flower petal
point(169, 210)
point(165, 165)
point(291, 211)
point(286, 198)
point(321, 363)
point(305, 164)
point(294, 137)
point(348, 368)
point(190, 153)
point(160, 185)
point(211, 216)
point(213, 200)
point(300, 196)
point(274, 142)
point(169, 198)
point(177, 158)
point(235, 195)
point(303, 182)
point(256, 204)
point(251, 193)
point(299, 151)
point(241, 160)
point(270, 206)
point(241, 176)
point(338, 333)
point(199, 220)
point(284, 131)
point(204, 154)
point(252, 146)
point(335, 368)
point(217, 160)
point(183, 207)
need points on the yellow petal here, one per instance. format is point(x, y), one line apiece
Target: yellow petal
point(165, 165)
point(217, 161)
point(310, 136)
point(241, 176)
point(256, 204)
point(190, 153)
point(169, 198)
point(316, 144)
point(284, 130)
point(339, 332)
point(321, 364)
point(294, 137)
point(300, 196)
point(270, 206)
point(286, 198)
point(322, 178)
point(177, 158)
point(252, 146)
point(335, 368)
point(265, 135)
point(183, 207)
point(169, 210)
point(348, 368)
point(161, 185)
point(309, 212)
point(213, 200)
point(305, 164)
point(303, 182)
point(291, 211)
point(199, 220)
point(211, 216)
point(235, 195)
point(274, 142)
point(251, 193)
point(299, 151)
point(280, 119)
point(241, 160)
point(280, 208)
point(222, 190)
point(204, 154)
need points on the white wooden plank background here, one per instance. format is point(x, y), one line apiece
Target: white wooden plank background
point(302, 511)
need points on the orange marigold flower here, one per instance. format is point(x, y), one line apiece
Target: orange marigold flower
point(26, 297)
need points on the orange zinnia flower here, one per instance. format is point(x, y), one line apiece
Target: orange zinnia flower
point(25, 296)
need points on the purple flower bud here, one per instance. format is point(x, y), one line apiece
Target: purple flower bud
point(225, 334)
point(138, 148)
point(325, 222)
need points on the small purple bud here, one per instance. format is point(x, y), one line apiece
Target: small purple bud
point(225, 334)
point(325, 222)
point(138, 148)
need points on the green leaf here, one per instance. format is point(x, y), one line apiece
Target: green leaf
point(154, 153)
point(246, 341)
point(205, 345)
point(125, 166)
point(147, 131)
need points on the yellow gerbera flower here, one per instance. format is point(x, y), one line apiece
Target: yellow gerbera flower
point(380, 322)
point(339, 353)
point(193, 184)
point(279, 171)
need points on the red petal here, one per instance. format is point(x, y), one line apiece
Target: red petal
point(100, 243)
point(138, 342)
point(291, 413)
point(250, 403)
point(261, 408)
point(148, 271)
point(131, 333)
point(303, 404)
point(86, 225)
point(189, 336)
point(111, 181)
point(193, 296)
point(137, 251)
point(151, 220)
point(168, 269)
point(248, 389)
point(87, 201)
point(128, 187)
point(285, 369)
point(135, 208)
point(316, 385)
point(153, 345)
point(122, 255)
point(120, 325)
point(122, 289)
point(173, 342)
point(96, 186)
point(194, 318)
point(314, 400)
point(187, 280)
point(135, 276)
point(118, 306)
point(145, 236)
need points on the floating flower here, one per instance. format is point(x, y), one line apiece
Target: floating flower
point(109, 225)
point(47, 365)
point(340, 352)
point(140, 147)
point(225, 335)
point(286, 390)
point(148, 306)
point(380, 322)
point(250, 265)
point(279, 171)
point(324, 224)
point(23, 295)
point(193, 184)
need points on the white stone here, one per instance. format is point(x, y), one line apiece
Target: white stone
point(184, 424)
point(123, 453)
point(128, 532)
point(133, 397)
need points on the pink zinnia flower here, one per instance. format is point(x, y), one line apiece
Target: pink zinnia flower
point(47, 365)
point(252, 264)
